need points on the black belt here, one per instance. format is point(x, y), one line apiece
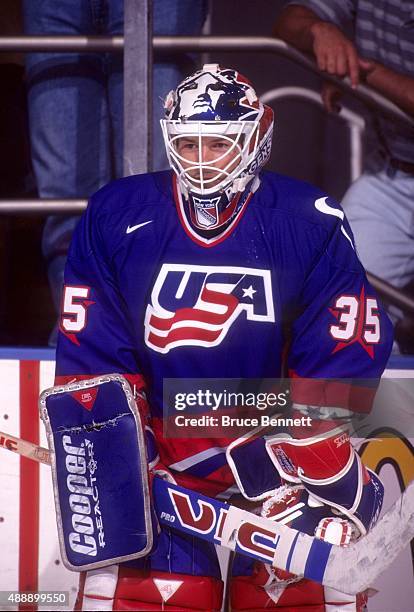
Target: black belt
point(400, 164)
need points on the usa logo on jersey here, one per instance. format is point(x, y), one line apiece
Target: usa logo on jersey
point(196, 305)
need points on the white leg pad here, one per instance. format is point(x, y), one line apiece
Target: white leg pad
point(99, 589)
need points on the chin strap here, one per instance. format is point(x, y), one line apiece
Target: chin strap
point(241, 183)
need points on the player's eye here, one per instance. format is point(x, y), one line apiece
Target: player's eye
point(187, 146)
point(221, 145)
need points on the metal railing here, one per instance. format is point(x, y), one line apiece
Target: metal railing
point(201, 44)
point(43, 206)
point(355, 123)
point(137, 70)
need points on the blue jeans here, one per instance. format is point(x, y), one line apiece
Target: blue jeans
point(76, 104)
point(380, 209)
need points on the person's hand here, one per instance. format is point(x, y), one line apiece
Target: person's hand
point(366, 68)
point(331, 96)
point(335, 53)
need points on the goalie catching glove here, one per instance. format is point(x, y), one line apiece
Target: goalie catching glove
point(332, 472)
point(327, 466)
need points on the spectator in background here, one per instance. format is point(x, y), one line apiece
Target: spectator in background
point(76, 104)
point(380, 204)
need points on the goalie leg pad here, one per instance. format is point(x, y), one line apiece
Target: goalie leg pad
point(260, 592)
point(99, 468)
point(125, 588)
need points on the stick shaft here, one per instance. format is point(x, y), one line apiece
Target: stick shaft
point(25, 448)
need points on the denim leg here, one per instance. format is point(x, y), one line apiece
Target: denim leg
point(67, 104)
point(380, 210)
point(68, 119)
point(180, 17)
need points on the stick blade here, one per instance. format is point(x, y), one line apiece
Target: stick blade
point(354, 569)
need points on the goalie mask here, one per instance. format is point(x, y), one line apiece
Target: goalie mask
point(218, 136)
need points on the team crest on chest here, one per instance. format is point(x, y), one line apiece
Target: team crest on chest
point(197, 305)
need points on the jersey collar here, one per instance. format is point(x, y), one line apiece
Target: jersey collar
point(192, 233)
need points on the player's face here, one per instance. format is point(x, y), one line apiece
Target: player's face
point(214, 152)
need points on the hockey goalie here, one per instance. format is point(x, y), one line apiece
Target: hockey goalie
point(214, 269)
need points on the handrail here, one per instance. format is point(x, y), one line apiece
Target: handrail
point(309, 94)
point(43, 206)
point(392, 294)
point(200, 44)
point(355, 122)
point(64, 44)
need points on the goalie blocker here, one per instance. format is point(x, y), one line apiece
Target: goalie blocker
point(99, 468)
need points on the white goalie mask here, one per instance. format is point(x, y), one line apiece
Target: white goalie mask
point(216, 104)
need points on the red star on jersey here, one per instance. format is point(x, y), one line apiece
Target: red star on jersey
point(359, 325)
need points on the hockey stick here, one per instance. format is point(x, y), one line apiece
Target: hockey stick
point(25, 448)
point(349, 570)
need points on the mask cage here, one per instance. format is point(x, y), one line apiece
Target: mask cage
point(194, 175)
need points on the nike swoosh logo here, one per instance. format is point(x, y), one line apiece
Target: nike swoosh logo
point(323, 207)
point(132, 228)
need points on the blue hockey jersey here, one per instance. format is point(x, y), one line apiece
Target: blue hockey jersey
point(283, 287)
